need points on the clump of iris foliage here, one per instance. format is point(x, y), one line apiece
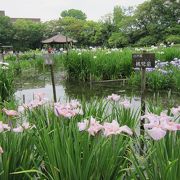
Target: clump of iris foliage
point(52, 147)
point(165, 75)
point(105, 64)
point(6, 81)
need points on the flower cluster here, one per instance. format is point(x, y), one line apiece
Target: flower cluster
point(68, 110)
point(114, 97)
point(10, 113)
point(39, 100)
point(175, 111)
point(159, 125)
point(175, 62)
point(4, 65)
point(126, 104)
point(18, 129)
point(92, 126)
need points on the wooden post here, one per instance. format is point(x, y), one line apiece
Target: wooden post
point(67, 47)
point(143, 61)
point(19, 66)
point(49, 62)
point(90, 78)
point(53, 83)
point(143, 107)
point(1, 57)
point(24, 100)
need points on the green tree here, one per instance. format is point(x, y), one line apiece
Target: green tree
point(107, 28)
point(51, 28)
point(28, 34)
point(75, 13)
point(118, 16)
point(72, 27)
point(153, 18)
point(6, 30)
point(118, 39)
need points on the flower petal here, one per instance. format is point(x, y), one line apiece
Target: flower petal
point(156, 133)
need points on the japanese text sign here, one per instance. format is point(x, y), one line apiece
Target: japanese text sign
point(146, 60)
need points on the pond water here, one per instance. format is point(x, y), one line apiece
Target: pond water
point(28, 85)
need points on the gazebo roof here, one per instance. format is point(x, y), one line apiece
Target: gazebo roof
point(58, 39)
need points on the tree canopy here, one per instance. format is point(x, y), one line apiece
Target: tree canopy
point(152, 22)
point(75, 13)
point(6, 30)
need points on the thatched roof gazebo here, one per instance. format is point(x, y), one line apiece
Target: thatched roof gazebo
point(59, 39)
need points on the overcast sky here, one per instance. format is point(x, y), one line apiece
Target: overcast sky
point(51, 9)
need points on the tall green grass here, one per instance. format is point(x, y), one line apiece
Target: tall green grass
point(19, 155)
point(109, 64)
point(6, 84)
point(90, 65)
point(161, 160)
point(157, 80)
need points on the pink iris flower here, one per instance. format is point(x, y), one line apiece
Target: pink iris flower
point(156, 133)
point(83, 125)
point(176, 111)
point(10, 112)
point(75, 104)
point(159, 125)
point(126, 104)
point(68, 113)
point(114, 97)
point(26, 125)
point(4, 127)
point(38, 101)
point(19, 129)
point(113, 128)
point(126, 130)
point(152, 118)
point(21, 109)
point(68, 110)
point(1, 150)
point(91, 126)
point(94, 126)
point(178, 126)
point(35, 103)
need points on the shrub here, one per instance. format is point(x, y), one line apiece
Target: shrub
point(173, 38)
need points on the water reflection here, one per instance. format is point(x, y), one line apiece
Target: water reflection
point(73, 90)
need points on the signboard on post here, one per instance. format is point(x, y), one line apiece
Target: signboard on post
point(48, 59)
point(144, 60)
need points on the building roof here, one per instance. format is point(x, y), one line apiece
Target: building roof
point(2, 13)
point(26, 19)
point(58, 39)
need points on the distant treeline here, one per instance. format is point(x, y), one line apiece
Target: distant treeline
point(152, 22)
